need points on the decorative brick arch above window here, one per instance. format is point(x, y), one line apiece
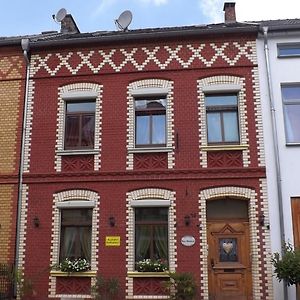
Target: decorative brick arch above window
point(150, 88)
point(215, 85)
point(78, 92)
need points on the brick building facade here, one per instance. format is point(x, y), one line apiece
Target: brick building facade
point(12, 89)
point(146, 135)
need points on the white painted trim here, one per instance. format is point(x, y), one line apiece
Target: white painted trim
point(149, 150)
point(75, 204)
point(149, 92)
point(79, 95)
point(217, 88)
point(77, 152)
point(149, 203)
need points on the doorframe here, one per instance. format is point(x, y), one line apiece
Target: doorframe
point(260, 262)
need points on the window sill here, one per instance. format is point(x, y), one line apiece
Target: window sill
point(77, 152)
point(150, 150)
point(148, 274)
point(293, 144)
point(73, 274)
point(224, 147)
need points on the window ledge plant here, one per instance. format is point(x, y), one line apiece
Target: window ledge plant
point(149, 265)
point(73, 265)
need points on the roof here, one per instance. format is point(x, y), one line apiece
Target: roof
point(53, 38)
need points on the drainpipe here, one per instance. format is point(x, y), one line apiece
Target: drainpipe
point(275, 145)
point(25, 47)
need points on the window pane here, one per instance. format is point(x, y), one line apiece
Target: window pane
point(151, 214)
point(289, 50)
point(231, 132)
point(220, 100)
point(214, 132)
point(76, 233)
point(291, 94)
point(72, 131)
point(161, 241)
point(141, 104)
point(80, 107)
point(142, 130)
point(142, 242)
point(292, 123)
point(88, 131)
point(158, 129)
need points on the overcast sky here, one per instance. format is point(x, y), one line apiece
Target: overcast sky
point(19, 17)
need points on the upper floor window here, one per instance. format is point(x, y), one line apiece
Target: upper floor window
point(291, 110)
point(222, 118)
point(76, 233)
point(80, 125)
point(288, 50)
point(150, 121)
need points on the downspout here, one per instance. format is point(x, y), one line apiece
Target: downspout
point(275, 145)
point(25, 47)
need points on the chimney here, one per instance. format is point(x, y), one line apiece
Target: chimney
point(68, 25)
point(229, 9)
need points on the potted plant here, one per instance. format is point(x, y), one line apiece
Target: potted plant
point(150, 265)
point(105, 289)
point(182, 286)
point(287, 265)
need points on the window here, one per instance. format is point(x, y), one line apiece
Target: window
point(150, 122)
point(76, 233)
point(291, 110)
point(151, 233)
point(80, 125)
point(289, 50)
point(222, 118)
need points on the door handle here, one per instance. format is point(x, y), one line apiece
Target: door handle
point(212, 262)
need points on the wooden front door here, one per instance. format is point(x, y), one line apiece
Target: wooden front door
point(229, 269)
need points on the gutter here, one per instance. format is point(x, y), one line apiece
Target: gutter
point(25, 47)
point(275, 144)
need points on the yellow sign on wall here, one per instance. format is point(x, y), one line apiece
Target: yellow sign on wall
point(112, 241)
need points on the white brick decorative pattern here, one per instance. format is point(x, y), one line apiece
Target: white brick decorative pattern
point(73, 195)
point(71, 88)
point(144, 194)
point(211, 82)
point(28, 127)
point(256, 267)
point(266, 240)
point(23, 227)
point(145, 84)
point(116, 60)
point(258, 118)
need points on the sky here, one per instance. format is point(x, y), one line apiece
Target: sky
point(19, 17)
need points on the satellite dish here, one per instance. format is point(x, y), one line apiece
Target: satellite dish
point(60, 15)
point(124, 20)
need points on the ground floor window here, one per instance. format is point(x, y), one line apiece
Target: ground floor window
point(76, 233)
point(151, 233)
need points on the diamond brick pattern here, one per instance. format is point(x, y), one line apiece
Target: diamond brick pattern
point(151, 161)
point(10, 67)
point(78, 163)
point(161, 57)
point(149, 286)
point(73, 285)
point(225, 159)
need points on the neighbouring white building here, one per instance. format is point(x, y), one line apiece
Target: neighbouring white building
point(279, 67)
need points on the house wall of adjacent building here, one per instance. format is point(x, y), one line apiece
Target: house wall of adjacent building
point(115, 174)
point(283, 71)
point(11, 109)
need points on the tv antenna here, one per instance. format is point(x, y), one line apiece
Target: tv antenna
point(60, 15)
point(124, 20)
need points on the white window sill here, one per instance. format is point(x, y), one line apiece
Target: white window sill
point(148, 274)
point(150, 150)
point(73, 274)
point(224, 147)
point(77, 152)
